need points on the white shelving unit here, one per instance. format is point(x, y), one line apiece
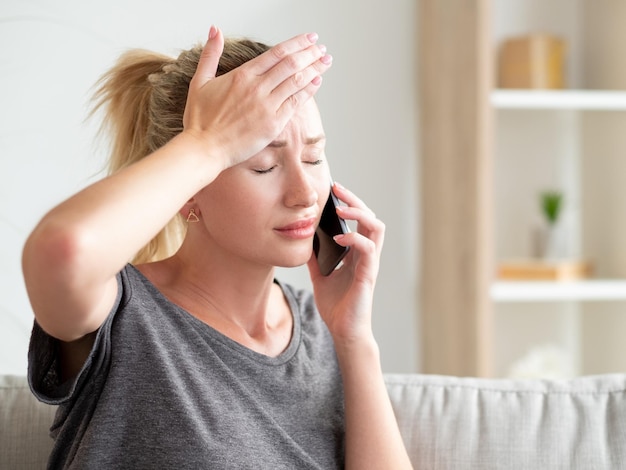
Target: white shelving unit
point(572, 291)
point(572, 140)
point(576, 100)
point(582, 100)
point(563, 291)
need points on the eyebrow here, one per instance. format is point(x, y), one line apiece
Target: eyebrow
point(307, 141)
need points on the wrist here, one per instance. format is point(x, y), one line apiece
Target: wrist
point(361, 349)
point(207, 153)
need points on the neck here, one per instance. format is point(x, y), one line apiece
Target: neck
point(241, 301)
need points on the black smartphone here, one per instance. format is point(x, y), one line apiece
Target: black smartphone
point(328, 253)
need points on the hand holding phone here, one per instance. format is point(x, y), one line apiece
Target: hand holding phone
point(328, 252)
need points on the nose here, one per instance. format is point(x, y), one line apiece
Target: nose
point(300, 189)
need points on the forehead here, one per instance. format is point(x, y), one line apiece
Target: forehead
point(306, 122)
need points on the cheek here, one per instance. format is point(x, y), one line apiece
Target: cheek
point(323, 191)
point(230, 204)
point(228, 210)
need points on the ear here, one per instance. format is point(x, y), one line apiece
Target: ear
point(190, 204)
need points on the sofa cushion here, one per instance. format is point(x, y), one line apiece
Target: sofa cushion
point(24, 439)
point(446, 422)
point(469, 423)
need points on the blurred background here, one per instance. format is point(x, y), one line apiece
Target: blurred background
point(487, 135)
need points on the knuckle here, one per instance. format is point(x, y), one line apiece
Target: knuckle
point(293, 101)
point(240, 74)
point(243, 79)
point(238, 77)
point(291, 62)
point(298, 79)
point(279, 51)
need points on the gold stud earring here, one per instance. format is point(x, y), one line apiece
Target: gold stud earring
point(192, 217)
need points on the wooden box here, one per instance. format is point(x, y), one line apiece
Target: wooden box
point(536, 61)
point(540, 270)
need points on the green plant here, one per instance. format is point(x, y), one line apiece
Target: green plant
point(551, 205)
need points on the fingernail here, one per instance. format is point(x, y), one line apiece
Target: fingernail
point(212, 32)
point(312, 37)
point(327, 59)
point(317, 81)
point(322, 48)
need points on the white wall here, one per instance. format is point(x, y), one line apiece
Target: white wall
point(52, 52)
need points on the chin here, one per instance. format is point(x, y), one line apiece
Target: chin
point(295, 261)
point(292, 264)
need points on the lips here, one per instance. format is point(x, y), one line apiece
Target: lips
point(304, 228)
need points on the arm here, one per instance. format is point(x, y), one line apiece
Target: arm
point(71, 258)
point(73, 255)
point(373, 439)
point(344, 299)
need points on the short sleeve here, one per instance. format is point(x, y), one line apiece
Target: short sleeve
point(44, 375)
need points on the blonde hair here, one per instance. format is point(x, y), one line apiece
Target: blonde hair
point(143, 98)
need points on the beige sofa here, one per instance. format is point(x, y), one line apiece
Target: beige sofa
point(447, 423)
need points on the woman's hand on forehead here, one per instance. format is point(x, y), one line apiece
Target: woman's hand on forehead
point(241, 112)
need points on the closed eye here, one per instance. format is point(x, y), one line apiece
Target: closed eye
point(262, 171)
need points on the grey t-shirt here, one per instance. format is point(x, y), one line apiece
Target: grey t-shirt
point(161, 389)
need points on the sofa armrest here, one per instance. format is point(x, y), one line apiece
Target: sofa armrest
point(25, 442)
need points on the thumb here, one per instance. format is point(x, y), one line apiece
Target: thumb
point(209, 59)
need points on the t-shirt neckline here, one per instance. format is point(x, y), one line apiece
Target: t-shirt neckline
point(203, 327)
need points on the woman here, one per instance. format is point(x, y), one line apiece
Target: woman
point(193, 356)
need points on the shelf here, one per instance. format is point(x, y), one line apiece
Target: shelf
point(546, 291)
point(559, 99)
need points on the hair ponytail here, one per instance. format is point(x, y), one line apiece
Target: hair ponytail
point(143, 98)
point(126, 94)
